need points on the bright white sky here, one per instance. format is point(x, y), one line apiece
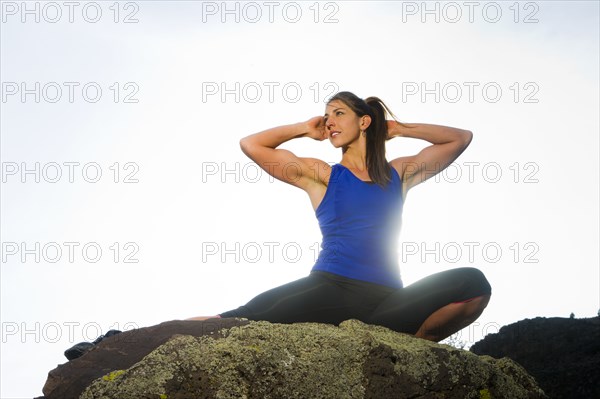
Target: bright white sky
point(182, 82)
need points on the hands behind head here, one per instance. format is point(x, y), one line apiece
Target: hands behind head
point(315, 128)
point(393, 129)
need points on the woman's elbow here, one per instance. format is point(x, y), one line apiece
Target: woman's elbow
point(467, 137)
point(245, 144)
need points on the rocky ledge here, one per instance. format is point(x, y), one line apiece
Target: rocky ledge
point(562, 354)
point(233, 358)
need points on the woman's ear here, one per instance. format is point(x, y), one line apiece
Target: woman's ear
point(365, 122)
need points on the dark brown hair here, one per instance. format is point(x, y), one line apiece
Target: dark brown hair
point(379, 169)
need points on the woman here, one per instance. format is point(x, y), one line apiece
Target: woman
point(358, 204)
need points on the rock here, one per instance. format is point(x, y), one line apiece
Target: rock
point(121, 351)
point(563, 355)
point(242, 359)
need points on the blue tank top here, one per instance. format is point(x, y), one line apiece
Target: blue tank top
point(360, 223)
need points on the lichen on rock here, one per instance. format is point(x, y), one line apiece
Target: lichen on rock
point(313, 360)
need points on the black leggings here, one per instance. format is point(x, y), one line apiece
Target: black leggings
point(324, 297)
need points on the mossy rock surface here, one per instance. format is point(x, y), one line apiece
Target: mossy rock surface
point(311, 360)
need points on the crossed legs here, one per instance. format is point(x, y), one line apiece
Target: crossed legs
point(432, 308)
point(436, 306)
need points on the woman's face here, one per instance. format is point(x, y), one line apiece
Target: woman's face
point(342, 124)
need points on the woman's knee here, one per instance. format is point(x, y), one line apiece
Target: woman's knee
point(478, 283)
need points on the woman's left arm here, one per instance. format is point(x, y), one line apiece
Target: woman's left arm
point(447, 143)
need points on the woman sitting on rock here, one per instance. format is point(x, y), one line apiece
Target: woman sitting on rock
point(358, 203)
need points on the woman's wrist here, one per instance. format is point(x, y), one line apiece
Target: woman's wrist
point(394, 129)
point(301, 129)
point(292, 131)
point(276, 136)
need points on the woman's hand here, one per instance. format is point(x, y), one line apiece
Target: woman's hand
point(393, 129)
point(315, 128)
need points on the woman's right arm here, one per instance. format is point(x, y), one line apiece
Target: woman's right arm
point(283, 164)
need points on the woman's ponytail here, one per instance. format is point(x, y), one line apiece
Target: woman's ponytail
point(378, 167)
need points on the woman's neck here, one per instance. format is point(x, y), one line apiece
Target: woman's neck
point(355, 155)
